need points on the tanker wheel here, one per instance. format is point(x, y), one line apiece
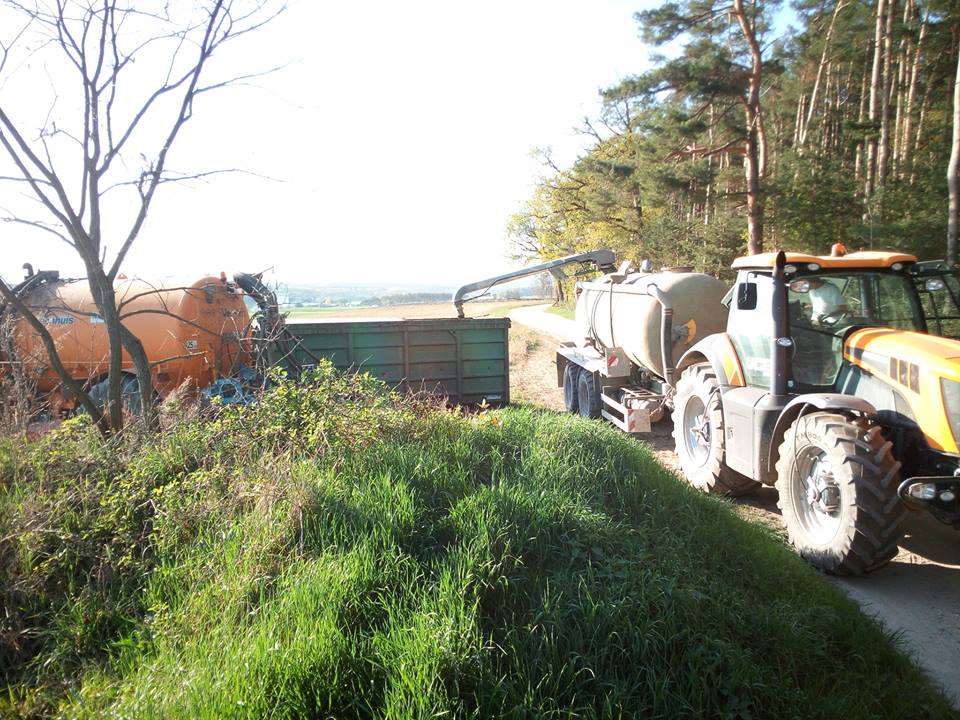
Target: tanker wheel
point(837, 480)
point(699, 437)
point(571, 377)
point(129, 394)
point(588, 395)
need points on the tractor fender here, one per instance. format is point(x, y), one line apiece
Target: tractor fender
point(818, 401)
point(717, 350)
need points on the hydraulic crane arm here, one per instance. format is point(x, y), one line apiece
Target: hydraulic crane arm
point(603, 259)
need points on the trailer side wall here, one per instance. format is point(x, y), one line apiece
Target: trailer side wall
point(466, 360)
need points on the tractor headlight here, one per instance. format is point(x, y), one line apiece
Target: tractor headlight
point(951, 403)
point(923, 491)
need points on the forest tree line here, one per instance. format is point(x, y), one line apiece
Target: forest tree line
point(744, 139)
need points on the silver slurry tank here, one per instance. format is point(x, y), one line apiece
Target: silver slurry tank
point(616, 310)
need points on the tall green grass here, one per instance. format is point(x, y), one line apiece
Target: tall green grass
point(335, 552)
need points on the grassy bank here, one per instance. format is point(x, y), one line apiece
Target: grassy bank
point(335, 552)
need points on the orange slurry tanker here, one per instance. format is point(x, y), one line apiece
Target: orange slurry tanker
point(192, 333)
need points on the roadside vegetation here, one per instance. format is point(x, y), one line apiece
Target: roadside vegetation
point(564, 311)
point(338, 551)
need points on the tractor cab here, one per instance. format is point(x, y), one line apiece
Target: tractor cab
point(827, 298)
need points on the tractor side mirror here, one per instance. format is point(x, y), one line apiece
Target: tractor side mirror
point(747, 296)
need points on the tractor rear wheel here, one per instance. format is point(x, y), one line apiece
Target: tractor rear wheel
point(571, 378)
point(698, 434)
point(837, 480)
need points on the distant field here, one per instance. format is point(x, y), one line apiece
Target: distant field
point(411, 312)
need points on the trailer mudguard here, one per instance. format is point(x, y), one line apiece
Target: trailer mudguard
point(839, 402)
point(717, 350)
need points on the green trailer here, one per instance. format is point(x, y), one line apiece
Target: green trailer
point(463, 359)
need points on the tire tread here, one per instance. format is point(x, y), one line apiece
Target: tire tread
point(867, 472)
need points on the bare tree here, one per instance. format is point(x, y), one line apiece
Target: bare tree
point(134, 70)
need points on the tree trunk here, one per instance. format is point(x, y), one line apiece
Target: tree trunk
point(843, 114)
point(900, 92)
point(816, 83)
point(924, 108)
point(858, 155)
point(798, 122)
point(871, 166)
point(952, 180)
point(883, 153)
point(826, 124)
point(710, 175)
point(912, 93)
point(141, 363)
point(755, 155)
point(120, 339)
point(103, 296)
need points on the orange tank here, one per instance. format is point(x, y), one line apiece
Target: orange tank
point(190, 332)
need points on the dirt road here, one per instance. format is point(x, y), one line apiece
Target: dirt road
point(917, 595)
point(536, 317)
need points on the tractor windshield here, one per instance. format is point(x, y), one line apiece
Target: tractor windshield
point(822, 307)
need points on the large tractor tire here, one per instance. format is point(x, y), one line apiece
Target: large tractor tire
point(588, 395)
point(698, 434)
point(837, 480)
point(571, 378)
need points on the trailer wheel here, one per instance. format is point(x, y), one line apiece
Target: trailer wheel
point(588, 395)
point(571, 378)
point(699, 437)
point(129, 394)
point(837, 480)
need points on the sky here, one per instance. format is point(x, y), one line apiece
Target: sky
point(392, 145)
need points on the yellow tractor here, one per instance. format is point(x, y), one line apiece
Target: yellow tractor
point(838, 381)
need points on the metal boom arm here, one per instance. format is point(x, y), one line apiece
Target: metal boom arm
point(603, 259)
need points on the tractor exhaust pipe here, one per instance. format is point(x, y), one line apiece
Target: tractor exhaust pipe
point(781, 343)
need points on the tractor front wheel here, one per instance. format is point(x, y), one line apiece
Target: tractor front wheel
point(699, 435)
point(837, 480)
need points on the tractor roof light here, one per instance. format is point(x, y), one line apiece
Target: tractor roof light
point(897, 266)
point(788, 269)
point(813, 267)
